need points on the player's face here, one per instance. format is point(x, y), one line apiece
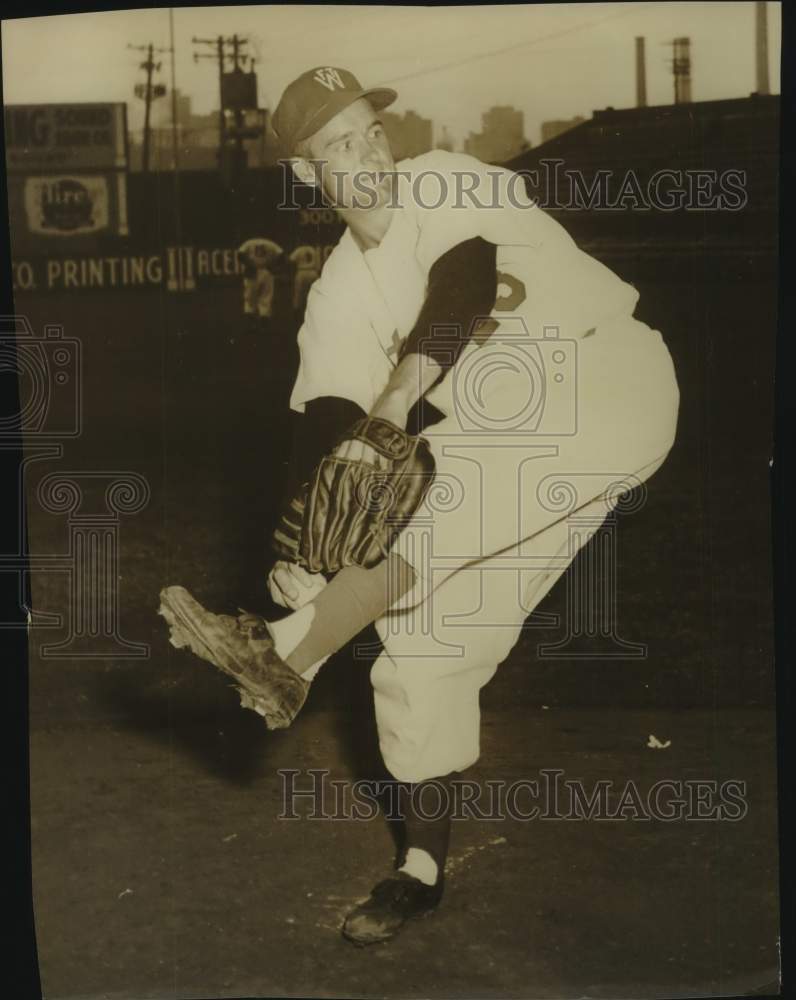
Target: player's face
point(353, 151)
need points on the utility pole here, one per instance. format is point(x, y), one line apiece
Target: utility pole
point(219, 55)
point(149, 93)
point(184, 282)
point(761, 48)
point(235, 90)
point(237, 45)
point(149, 66)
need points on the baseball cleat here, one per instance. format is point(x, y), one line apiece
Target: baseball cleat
point(391, 904)
point(241, 647)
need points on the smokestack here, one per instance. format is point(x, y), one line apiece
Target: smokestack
point(761, 47)
point(681, 67)
point(641, 75)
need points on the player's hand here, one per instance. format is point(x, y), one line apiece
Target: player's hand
point(291, 586)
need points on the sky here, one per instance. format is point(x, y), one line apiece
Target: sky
point(449, 64)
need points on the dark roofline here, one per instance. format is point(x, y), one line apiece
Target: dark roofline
point(761, 107)
point(691, 108)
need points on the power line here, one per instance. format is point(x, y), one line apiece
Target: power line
point(514, 47)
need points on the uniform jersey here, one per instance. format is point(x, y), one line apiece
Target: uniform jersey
point(364, 304)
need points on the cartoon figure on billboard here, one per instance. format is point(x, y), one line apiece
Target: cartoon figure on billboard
point(307, 263)
point(257, 256)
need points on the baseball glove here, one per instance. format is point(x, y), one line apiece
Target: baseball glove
point(351, 511)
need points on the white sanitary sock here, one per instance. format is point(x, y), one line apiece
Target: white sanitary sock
point(420, 864)
point(288, 632)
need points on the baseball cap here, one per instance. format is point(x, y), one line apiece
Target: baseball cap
point(315, 97)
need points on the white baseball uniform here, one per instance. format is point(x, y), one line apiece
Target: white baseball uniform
point(554, 409)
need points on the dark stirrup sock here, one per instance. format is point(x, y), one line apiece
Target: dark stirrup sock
point(353, 599)
point(427, 816)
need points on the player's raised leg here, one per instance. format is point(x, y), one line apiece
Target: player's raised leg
point(273, 663)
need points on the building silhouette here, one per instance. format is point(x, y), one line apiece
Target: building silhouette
point(501, 136)
point(197, 138)
point(445, 141)
point(553, 128)
point(409, 134)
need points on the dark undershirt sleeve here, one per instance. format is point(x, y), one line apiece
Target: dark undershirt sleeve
point(462, 286)
point(318, 430)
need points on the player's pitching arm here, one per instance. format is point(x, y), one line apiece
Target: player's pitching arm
point(462, 286)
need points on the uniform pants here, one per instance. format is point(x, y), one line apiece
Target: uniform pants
point(509, 509)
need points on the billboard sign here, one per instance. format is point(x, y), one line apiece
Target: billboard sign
point(46, 137)
point(66, 206)
point(173, 268)
point(71, 210)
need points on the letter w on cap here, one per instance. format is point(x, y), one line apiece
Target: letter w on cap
point(329, 77)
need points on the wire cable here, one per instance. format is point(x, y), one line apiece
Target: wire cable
point(514, 47)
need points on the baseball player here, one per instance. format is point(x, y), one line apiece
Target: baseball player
point(452, 305)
